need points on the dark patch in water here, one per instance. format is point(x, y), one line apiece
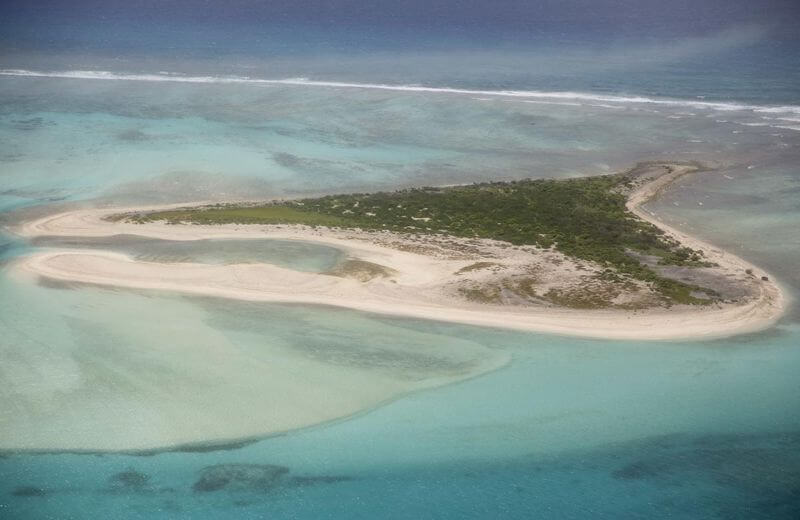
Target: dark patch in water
point(206, 448)
point(132, 481)
point(239, 477)
point(133, 136)
point(129, 479)
point(33, 123)
point(636, 471)
point(52, 283)
point(11, 157)
point(292, 161)
point(197, 448)
point(28, 491)
point(256, 478)
point(325, 479)
point(761, 471)
point(286, 159)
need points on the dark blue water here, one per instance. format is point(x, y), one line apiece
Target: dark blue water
point(722, 50)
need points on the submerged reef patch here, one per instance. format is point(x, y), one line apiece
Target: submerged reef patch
point(130, 479)
point(256, 478)
point(133, 136)
point(28, 491)
point(239, 477)
point(26, 125)
point(324, 479)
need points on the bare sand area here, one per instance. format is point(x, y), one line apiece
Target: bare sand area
point(432, 277)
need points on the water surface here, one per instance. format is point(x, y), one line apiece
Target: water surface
point(293, 254)
point(570, 428)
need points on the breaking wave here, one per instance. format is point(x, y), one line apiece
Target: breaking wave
point(600, 100)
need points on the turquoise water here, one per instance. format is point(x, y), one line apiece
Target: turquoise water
point(569, 429)
point(611, 430)
point(155, 141)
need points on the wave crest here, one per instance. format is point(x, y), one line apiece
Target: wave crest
point(599, 100)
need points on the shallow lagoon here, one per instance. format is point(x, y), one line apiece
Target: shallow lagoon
point(292, 254)
point(611, 429)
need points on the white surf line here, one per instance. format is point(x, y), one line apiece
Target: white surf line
point(531, 94)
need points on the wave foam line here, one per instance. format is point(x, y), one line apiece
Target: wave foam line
point(530, 94)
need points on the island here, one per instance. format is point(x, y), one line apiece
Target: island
point(578, 256)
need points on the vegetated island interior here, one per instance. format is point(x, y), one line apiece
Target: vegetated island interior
point(624, 261)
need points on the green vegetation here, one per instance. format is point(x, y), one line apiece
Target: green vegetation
point(584, 218)
point(235, 214)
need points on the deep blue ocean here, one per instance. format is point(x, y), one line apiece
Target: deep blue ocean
point(715, 49)
point(161, 102)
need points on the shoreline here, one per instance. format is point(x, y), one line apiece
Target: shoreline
point(414, 290)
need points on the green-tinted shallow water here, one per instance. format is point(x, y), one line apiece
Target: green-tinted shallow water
point(584, 427)
point(569, 429)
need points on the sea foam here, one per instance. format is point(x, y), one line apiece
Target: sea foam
point(595, 99)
